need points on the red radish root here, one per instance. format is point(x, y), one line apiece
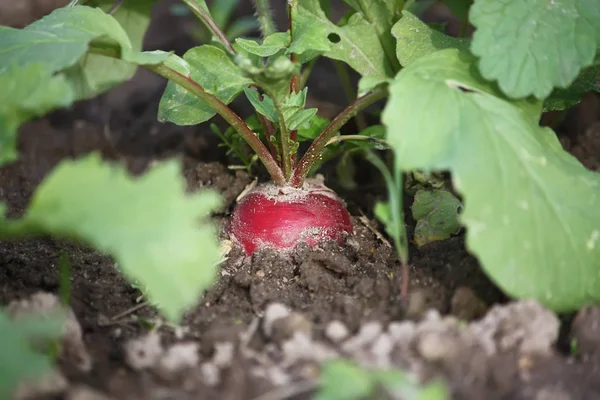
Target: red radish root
point(280, 217)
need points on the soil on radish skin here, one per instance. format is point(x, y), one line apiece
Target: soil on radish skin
point(358, 285)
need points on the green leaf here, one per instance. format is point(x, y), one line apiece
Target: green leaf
point(531, 47)
point(60, 40)
point(222, 11)
point(19, 361)
point(343, 380)
point(368, 83)
point(561, 99)
point(270, 46)
point(264, 107)
point(399, 383)
point(356, 43)
point(530, 207)
point(300, 118)
point(241, 27)
point(273, 78)
point(312, 129)
point(415, 39)
point(377, 11)
point(149, 225)
point(94, 74)
point(460, 8)
point(383, 212)
point(293, 110)
point(27, 92)
point(419, 8)
point(381, 14)
point(57, 40)
point(218, 75)
point(436, 213)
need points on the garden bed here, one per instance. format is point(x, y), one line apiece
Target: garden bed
point(232, 345)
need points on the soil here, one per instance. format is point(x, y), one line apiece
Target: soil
point(265, 327)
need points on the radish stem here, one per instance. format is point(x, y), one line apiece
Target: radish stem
point(315, 150)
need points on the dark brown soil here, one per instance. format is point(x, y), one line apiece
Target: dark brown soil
point(242, 343)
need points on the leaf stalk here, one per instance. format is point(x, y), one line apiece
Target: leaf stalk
point(234, 120)
point(315, 150)
point(212, 26)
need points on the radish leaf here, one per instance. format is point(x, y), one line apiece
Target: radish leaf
point(149, 225)
point(587, 81)
point(93, 74)
point(59, 40)
point(270, 46)
point(415, 39)
point(19, 362)
point(27, 92)
point(530, 208)
point(436, 213)
point(355, 43)
point(531, 47)
point(218, 75)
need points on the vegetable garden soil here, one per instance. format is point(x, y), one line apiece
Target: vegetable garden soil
point(236, 344)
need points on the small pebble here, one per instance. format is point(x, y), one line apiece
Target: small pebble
point(273, 312)
point(299, 347)
point(367, 334)
point(402, 331)
point(178, 357)
point(211, 375)
point(223, 356)
point(436, 346)
point(143, 352)
point(422, 300)
point(336, 331)
point(284, 328)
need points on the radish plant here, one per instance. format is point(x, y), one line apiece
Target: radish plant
point(468, 106)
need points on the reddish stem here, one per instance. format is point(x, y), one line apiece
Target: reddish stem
point(269, 130)
point(228, 115)
point(293, 86)
point(210, 24)
point(315, 150)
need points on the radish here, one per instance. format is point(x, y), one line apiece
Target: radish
point(281, 217)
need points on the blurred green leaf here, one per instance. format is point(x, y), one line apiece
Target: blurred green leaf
point(19, 361)
point(150, 225)
point(344, 380)
point(60, 41)
point(94, 74)
point(28, 91)
point(222, 11)
point(460, 8)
